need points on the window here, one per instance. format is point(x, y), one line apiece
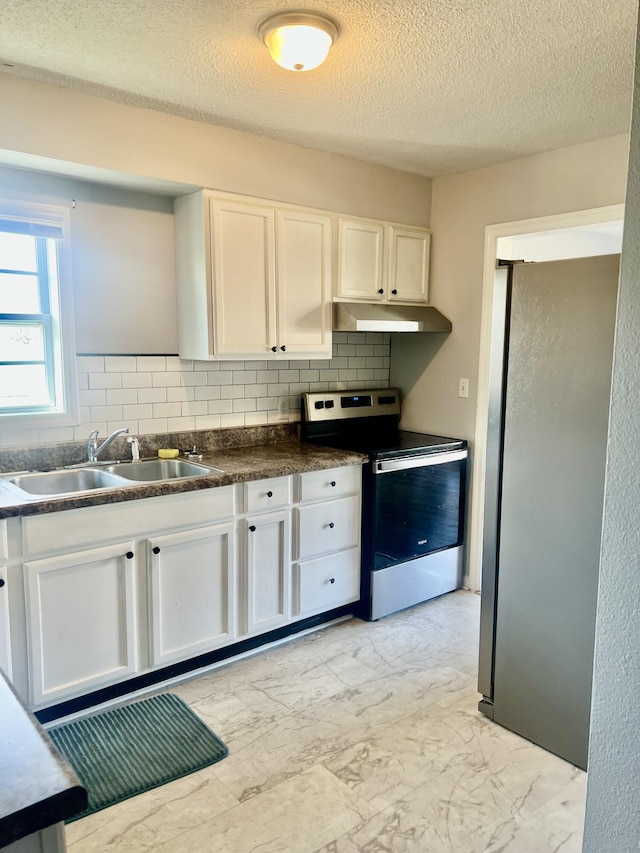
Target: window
point(37, 376)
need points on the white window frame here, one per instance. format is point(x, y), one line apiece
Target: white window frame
point(57, 218)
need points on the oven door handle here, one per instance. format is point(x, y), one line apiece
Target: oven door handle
point(419, 461)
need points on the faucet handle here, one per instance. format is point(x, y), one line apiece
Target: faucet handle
point(93, 435)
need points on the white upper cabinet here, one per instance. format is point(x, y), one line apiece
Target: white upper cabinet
point(254, 279)
point(361, 260)
point(381, 262)
point(303, 244)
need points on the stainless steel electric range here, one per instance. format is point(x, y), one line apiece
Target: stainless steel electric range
point(413, 496)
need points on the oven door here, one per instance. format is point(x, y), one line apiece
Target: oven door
point(418, 506)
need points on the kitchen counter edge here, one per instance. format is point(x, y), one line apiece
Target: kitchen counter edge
point(238, 465)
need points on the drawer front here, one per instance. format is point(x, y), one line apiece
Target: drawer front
point(327, 527)
point(332, 483)
point(264, 495)
point(329, 582)
point(90, 525)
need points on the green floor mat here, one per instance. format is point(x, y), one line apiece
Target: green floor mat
point(124, 751)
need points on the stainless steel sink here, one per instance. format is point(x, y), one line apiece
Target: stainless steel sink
point(50, 483)
point(160, 469)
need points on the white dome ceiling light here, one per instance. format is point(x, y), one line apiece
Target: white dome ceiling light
point(298, 41)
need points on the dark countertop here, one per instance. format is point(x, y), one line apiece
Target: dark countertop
point(238, 465)
point(37, 786)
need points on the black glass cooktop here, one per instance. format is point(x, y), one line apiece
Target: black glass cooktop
point(396, 443)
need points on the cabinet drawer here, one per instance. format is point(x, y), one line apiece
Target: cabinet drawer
point(326, 527)
point(90, 525)
point(326, 583)
point(332, 483)
point(264, 495)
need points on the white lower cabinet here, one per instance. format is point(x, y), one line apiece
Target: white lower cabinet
point(115, 591)
point(268, 571)
point(81, 621)
point(192, 592)
point(5, 636)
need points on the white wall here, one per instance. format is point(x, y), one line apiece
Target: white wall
point(122, 258)
point(613, 794)
point(427, 368)
point(47, 121)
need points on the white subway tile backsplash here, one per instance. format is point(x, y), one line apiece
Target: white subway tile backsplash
point(152, 395)
point(139, 411)
point(106, 413)
point(105, 380)
point(231, 392)
point(151, 362)
point(181, 424)
point(181, 365)
point(156, 394)
point(116, 396)
point(223, 377)
point(136, 380)
point(167, 410)
point(220, 407)
point(244, 377)
point(91, 363)
point(267, 376)
point(120, 363)
point(195, 408)
point(180, 394)
point(92, 398)
point(195, 377)
point(153, 425)
point(207, 421)
point(207, 392)
point(164, 379)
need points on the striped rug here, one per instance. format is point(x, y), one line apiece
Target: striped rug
point(124, 751)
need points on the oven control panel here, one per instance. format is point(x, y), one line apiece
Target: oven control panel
point(338, 405)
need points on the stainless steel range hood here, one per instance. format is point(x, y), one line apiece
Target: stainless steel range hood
point(364, 317)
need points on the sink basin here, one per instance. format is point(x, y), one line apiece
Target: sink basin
point(43, 483)
point(160, 469)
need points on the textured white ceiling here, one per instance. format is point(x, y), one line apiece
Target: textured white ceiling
point(427, 87)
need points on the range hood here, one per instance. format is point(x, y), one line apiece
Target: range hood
point(365, 317)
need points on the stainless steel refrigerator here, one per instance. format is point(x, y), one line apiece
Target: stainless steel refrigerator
point(552, 349)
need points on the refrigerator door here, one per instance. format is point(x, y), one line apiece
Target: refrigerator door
point(555, 417)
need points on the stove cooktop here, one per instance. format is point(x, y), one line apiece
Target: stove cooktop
point(397, 443)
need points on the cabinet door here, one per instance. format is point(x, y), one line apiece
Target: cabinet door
point(192, 592)
point(304, 284)
point(408, 265)
point(5, 638)
point(243, 279)
point(268, 571)
point(360, 260)
point(81, 621)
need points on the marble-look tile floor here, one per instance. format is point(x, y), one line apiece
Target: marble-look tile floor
point(358, 738)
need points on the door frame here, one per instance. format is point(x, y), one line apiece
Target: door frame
point(592, 216)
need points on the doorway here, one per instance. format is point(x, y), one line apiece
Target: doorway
point(584, 233)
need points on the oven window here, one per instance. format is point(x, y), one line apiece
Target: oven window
point(417, 511)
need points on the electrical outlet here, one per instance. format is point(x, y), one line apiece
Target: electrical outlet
point(463, 388)
point(283, 409)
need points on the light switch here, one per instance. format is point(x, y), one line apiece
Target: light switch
point(463, 388)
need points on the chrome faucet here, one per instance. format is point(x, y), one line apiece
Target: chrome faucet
point(92, 445)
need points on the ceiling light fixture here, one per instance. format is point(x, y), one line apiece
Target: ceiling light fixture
point(298, 41)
